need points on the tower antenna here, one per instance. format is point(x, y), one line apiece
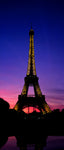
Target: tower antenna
point(31, 25)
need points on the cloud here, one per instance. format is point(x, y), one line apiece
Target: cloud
point(55, 97)
point(57, 90)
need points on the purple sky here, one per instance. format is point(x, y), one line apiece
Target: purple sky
point(52, 142)
point(47, 18)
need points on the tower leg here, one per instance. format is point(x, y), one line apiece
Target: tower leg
point(25, 90)
point(37, 90)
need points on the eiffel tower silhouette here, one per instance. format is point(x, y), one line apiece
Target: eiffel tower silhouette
point(31, 79)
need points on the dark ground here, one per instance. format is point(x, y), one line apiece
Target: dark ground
point(13, 123)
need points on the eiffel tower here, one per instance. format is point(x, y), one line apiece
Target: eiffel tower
point(31, 79)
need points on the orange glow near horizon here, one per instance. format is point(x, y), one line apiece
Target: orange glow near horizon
point(30, 109)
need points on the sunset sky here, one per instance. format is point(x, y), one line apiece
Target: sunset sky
point(47, 18)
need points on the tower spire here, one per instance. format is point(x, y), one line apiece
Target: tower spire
point(31, 25)
point(31, 61)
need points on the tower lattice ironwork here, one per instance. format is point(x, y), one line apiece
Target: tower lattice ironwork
point(31, 79)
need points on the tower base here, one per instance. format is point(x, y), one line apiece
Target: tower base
point(37, 102)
